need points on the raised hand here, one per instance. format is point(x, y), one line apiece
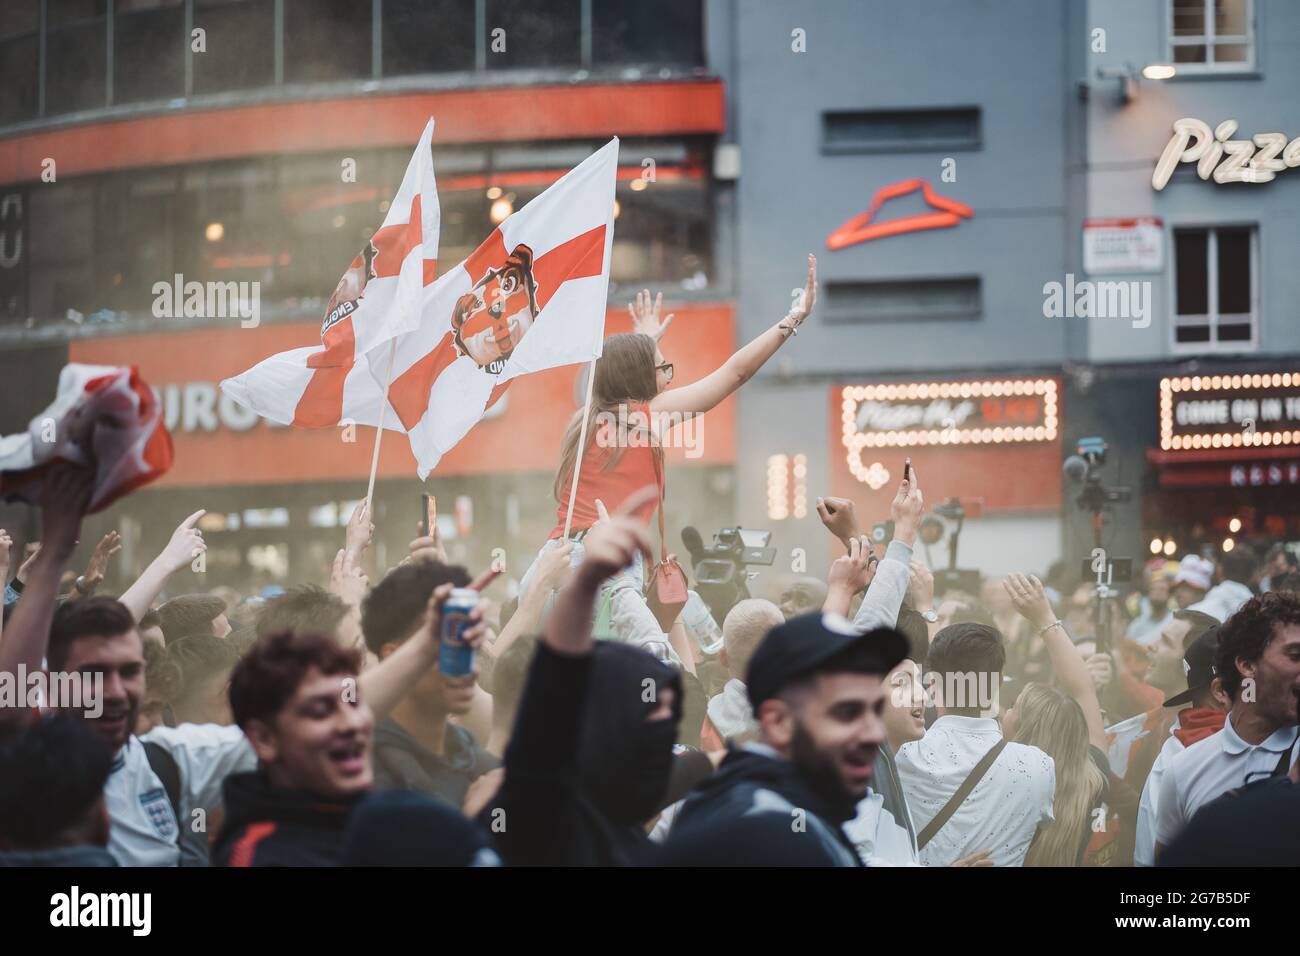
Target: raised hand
point(347, 580)
point(360, 530)
point(186, 543)
point(553, 568)
point(645, 315)
point(6, 547)
point(1101, 669)
point(839, 517)
point(854, 571)
point(1026, 593)
point(97, 566)
point(802, 308)
point(907, 507)
point(920, 586)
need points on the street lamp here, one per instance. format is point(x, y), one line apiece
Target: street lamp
point(1128, 75)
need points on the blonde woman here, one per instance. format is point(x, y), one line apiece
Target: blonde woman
point(1066, 724)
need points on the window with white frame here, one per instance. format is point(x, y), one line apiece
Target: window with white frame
point(1209, 35)
point(1214, 289)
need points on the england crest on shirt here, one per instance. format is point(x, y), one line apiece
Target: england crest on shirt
point(159, 810)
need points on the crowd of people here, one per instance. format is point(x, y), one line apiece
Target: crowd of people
point(861, 719)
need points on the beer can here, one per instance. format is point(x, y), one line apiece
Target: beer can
point(455, 658)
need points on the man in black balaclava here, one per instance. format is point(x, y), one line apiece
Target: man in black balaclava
point(590, 759)
point(625, 756)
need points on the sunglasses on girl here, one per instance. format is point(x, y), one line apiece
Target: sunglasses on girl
point(667, 369)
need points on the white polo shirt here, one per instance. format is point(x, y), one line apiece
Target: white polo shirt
point(1004, 810)
point(1210, 768)
point(1144, 845)
point(143, 826)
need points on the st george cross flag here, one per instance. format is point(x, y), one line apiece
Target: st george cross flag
point(532, 296)
point(378, 298)
point(103, 417)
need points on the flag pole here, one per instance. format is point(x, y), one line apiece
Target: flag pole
point(582, 444)
point(379, 435)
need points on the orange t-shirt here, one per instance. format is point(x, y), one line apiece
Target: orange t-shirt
point(635, 469)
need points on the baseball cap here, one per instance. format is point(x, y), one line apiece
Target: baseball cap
point(1196, 571)
point(811, 643)
point(1198, 665)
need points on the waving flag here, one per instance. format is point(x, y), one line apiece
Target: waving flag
point(532, 296)
point(103, 417)
point(378, 298)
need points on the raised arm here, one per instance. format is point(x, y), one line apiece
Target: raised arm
point(849, 574)
point(884, 597)
point(1071, 671)
point(64, 497)
point(185, 545)
point(552, 571)
point(736, 371)
point(385, 684)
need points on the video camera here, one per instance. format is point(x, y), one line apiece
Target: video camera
point(720, 576)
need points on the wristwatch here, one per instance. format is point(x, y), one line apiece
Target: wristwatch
point(931, 616)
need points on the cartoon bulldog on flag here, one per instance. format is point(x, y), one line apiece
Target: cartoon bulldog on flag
point(493, 317)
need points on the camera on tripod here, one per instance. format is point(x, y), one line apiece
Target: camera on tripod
point(720, 577)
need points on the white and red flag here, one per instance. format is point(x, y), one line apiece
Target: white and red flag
point(532, 296)
point(378, 298)
point(104, 417)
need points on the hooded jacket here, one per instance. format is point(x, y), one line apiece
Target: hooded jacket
point(759, 810)
point(584, 770)
point(270, 826)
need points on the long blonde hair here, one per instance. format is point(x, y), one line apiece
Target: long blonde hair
point(1054, 723)
point(625, 372)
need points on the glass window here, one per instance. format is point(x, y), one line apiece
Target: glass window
point(148, 50)
point(14, 254)
point(1211, 33)
point(76, 46)
point(326, 40)
point(427, 36)
point(538, 34)
point(1215, 287)
point(136, 239)
point(19, 77)
point(326, 222)
point(60, 235)
point(670, 31)
point(239, 36)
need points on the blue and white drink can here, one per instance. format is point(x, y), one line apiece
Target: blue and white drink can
point(455, 658)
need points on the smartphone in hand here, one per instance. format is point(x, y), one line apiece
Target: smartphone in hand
point(429, 515)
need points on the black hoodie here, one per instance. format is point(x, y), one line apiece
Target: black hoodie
point(584, 770)
point(270, 826)
point(759, 810)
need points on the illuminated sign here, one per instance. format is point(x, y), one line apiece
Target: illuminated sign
point(861, 229)
point(1255, 160)
point(1230, 411)
point(918, 414)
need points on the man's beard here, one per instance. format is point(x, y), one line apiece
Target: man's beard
point(819, 769)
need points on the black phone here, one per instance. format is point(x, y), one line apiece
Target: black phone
point(907, 469)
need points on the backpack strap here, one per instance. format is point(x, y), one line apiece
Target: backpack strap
point(956, 800)
point(164, 765)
